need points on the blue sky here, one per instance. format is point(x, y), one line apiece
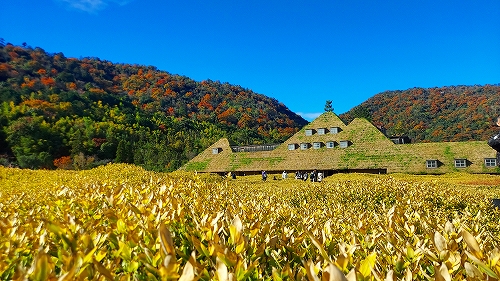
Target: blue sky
point(300, 52)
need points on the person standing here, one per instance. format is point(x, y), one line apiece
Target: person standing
point(320, 177)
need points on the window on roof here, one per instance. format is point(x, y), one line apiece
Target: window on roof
point(292, 146)
point(321, 131)
point(344, 144)
point(316, 145)
point(431, 164)
point(490, 162)
point(460, 163)
point(216, 150)
point(330, 144)
point(309, 132)
point(304, 145)
point(334, 130)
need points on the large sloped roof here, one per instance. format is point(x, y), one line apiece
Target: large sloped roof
point(369, 149)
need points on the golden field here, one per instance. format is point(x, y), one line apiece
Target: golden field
point(120, 222)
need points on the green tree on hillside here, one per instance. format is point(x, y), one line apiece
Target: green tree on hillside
point(328, 106)
point(361, 111)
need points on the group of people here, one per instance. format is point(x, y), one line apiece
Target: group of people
point(314, 176)
point(231, 175)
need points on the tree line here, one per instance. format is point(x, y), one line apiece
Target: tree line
point(454, 113)
point(59, 112)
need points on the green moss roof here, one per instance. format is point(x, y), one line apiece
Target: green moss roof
point(369, 149)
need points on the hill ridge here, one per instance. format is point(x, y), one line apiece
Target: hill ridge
point(451, 113)
point(77, 113)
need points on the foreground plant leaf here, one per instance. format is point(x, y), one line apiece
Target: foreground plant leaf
point(120, 222)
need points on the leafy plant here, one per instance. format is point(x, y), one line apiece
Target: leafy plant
point(119, 222)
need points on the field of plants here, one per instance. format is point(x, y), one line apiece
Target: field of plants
point(120, 222)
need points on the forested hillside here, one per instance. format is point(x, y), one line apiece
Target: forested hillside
point(456, 113)
point(59, 112)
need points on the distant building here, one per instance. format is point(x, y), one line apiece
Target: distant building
point(330, 146)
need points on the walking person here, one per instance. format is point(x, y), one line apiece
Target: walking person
point(264, 175)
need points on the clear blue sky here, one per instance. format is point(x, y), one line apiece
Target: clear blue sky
point(300, 52)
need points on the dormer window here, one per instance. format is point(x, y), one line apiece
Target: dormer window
point(321, 131)
point(216, 150)
point(344, 143)
point(292, 146)
point(304, 145)
point(460, 163)
point(309, 132)
point(317, 145)
point(431, 164)
point(335, 130)
point(330, 144)
point(490, 162)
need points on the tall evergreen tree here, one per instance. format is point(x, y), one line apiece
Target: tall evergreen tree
point(328, 106)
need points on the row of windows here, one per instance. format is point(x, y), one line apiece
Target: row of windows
point(430, 164)
point(460, 163)
point(317, 145)
point(254, 148)
point(323, 131)
point(291, 146)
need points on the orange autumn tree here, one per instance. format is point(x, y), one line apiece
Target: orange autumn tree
point(48, 81)
point(63, 162)
point(205, 102)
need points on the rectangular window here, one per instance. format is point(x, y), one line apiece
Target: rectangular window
point(316, 145)
point(431, 164)
point(460, 163)
point(304, 146)
point(490, 162)
point(291, 146)
point(321, 131)
point(334, 130)
point(330, 144)
point(309, 132)
point(216, 150)
point(344, 144)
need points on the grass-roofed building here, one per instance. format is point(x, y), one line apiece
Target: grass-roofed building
point(330, 146)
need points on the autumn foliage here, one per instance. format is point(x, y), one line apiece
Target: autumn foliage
point(63, 162)
point(455, 113)
point(122, 112)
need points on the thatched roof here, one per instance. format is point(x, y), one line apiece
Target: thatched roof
point(369, 149)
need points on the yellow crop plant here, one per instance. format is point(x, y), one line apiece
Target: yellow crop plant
point(120, 222)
